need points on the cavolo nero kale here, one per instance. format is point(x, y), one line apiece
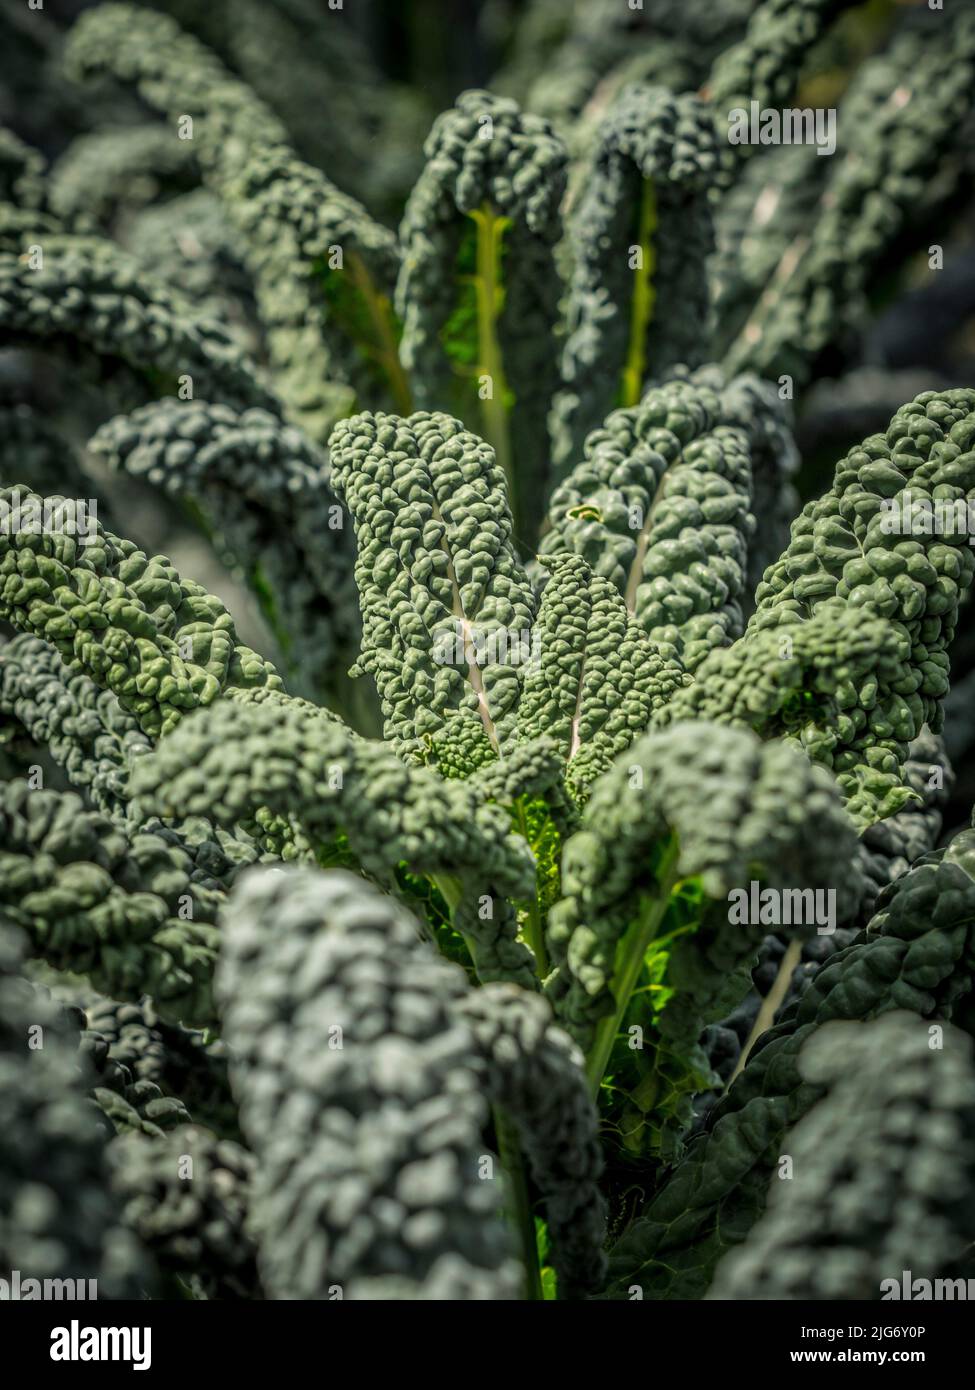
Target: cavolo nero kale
point(399, 962)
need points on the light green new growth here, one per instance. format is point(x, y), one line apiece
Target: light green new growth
point(637, 876)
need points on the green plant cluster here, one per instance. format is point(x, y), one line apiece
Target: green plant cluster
point(402, 965)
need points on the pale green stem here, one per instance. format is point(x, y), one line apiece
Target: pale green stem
point(450, 890)
point(452, 894)
point(518, 1201)
point(643, 300)
point(490, 299)
point(630, 955)
point(534, 927)
point(770, 1004)
point(388, 353)
point(519, 1204)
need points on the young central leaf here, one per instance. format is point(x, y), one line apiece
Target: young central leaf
point(479, 290)
point(447, 609)
point(470, 335)
point(643, 299)
point(640, 231)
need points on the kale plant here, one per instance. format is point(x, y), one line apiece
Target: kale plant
point(565, 853)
